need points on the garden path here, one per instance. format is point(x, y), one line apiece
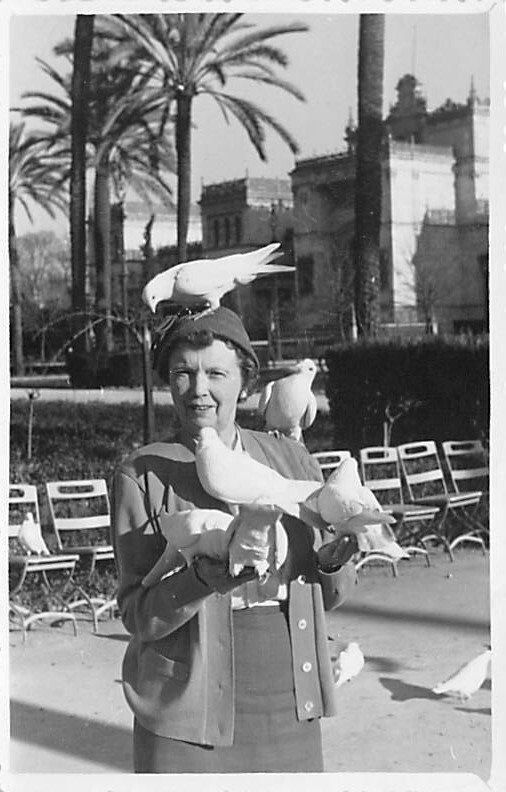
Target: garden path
point(68, 714)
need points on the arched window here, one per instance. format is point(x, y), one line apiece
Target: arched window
point(227, 232)
point(216, 233)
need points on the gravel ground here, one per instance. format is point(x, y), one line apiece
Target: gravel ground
point(68, 714)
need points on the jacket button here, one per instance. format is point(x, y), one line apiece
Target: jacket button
point(306, 667)
point(302, 624)
point(308, 706)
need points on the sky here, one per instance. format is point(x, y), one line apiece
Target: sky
point(443, 51)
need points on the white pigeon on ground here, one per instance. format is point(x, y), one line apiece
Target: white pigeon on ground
point(30, 537)
point(207, 280)
point(349, 664)
point(468, 678)
point(344, 501)
point(289, 405)
point(258, 540)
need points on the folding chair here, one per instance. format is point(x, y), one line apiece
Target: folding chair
point(329, 461)
point(426, 485)
point(22, 500)
point(380, 472)
point(467, 465)
point(80, 514)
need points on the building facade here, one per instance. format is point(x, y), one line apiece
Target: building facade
point(434, 229)
point(434, 225)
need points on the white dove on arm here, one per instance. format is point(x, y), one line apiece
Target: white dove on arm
point(237, 478)
point(289, 405)
point(343, 500)
point(378, 536)
point(30, 537)
point(190, 533)
point(207, 280)
point(257, 539)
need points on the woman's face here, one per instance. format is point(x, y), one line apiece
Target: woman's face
point(205, 385)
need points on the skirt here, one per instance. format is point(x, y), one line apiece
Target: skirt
point(268, 737)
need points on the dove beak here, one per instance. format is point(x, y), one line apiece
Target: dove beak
point(276, 373)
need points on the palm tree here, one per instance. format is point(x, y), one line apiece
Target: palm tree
point(194, 54)
point(122, 145)
point(33, 178)
point(368, 172)
point(83, 40)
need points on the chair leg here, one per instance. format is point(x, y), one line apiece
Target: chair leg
point(376, 556)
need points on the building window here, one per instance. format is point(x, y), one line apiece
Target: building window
point(238, 228)
point(305, 274)
point(227, 232)
point(216, 233)
point(303, 197)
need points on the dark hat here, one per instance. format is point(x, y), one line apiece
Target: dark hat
point(223, 323)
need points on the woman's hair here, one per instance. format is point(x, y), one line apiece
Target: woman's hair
point(200, 339)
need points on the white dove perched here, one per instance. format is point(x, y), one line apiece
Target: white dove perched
point(30, 537)
point(468, 679)
point(344, 501)
point(349, 664)
point(191, 532)
point(213, 533)
point(207, 280)
point(235, 477)
point(378, 536)
point(289, 404)
point(255, 544)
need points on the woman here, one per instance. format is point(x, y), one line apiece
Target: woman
point(223, 674)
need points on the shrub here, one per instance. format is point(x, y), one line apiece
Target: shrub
point(435, 388)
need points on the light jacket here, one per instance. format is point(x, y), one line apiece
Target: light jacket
point(178, 670)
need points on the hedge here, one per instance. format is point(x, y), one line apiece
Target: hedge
point(435, 388)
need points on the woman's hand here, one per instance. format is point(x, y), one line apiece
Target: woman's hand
point(333, 555)
point(214, 573)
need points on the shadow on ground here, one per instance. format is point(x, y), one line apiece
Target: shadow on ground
point(115, 637)
point(402, 691)
point(101, 743)
point(383, 664)
point(452, 620)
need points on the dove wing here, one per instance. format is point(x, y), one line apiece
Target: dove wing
point(310, 414)
point(265, 397)
point(203, 278)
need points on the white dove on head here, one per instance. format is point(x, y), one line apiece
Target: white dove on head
point(205, 281)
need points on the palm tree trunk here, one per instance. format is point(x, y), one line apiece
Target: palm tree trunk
point(368, 172)
point(183, 151)
point(102, 240)
point(83, 39)
point(17, 312)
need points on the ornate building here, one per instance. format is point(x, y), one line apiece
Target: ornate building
point(434, 232)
